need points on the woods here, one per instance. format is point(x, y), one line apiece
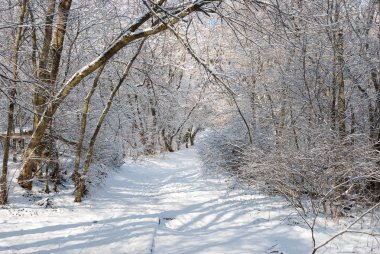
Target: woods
point(278, 97)
point(304, 83)
point(46, 79)
point(288, 93)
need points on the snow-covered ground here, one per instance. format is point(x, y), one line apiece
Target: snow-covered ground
point(165, 205)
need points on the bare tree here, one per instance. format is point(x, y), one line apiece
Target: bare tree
point(12, 103)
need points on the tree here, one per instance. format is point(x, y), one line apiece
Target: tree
point(12, 103)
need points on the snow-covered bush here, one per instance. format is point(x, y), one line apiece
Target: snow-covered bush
point(325, 172)
point(221, 150)
point(338, 174)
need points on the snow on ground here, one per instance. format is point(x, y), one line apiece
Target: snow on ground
point(164, 205)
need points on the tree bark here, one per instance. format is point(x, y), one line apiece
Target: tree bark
point(193, 134)
point(52, 45)
point(11, 107)
point(341, 85)
point(168, 141)
point(81, 187)
point(83, 124)
point(375, 77)
point(40, 95)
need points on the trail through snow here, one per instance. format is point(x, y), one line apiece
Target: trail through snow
point(165, 205)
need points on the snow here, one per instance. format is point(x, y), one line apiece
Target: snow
point(164, 205)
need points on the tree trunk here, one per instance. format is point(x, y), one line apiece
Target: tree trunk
point(4, 173)
point(374, 117)
point(193, 135)
point(81, 187)
point(58, 38)
point(40, 95)
point(11, 107)
point(341, 86)
point(168, 140)
point(338, 104)
point(52, 45)
point(83, 124)
point(375, 77)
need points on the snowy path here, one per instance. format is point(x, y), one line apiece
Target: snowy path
point(164, 206)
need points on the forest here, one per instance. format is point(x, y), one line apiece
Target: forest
point(279, 95)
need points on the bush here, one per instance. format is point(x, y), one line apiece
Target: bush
point(338, 175)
